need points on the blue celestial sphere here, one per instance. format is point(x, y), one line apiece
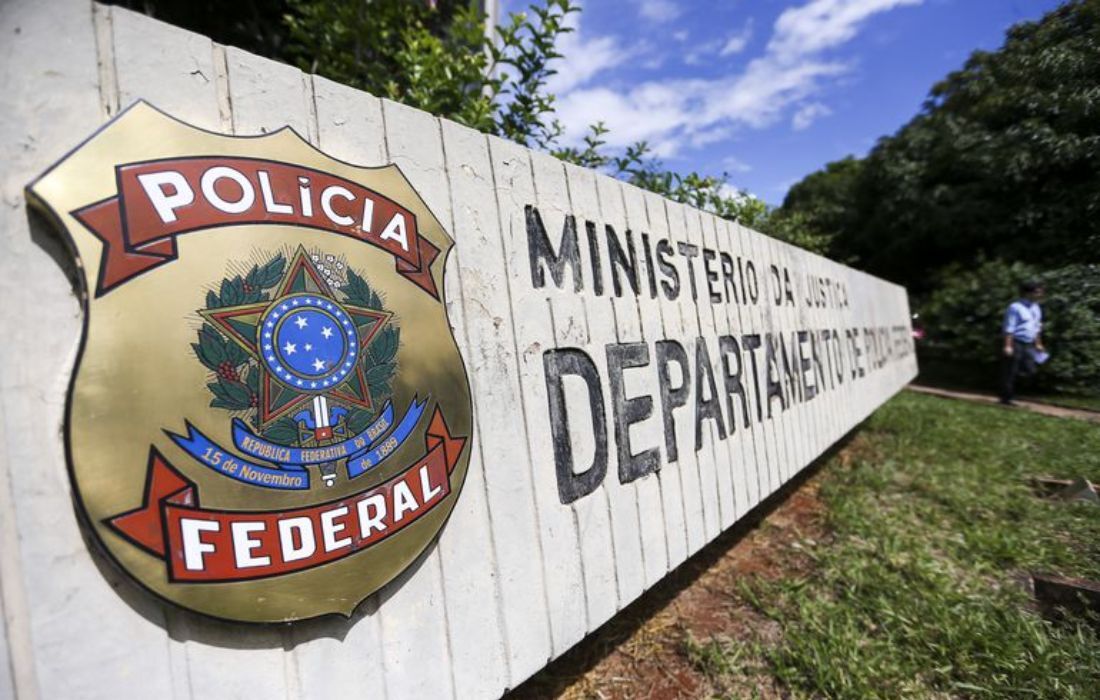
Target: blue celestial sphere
point(308, 342)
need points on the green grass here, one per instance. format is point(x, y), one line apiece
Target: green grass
point(919, 589)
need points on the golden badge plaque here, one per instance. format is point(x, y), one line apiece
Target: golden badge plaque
point(269, 418)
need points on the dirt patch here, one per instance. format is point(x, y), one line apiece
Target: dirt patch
point(655, 648)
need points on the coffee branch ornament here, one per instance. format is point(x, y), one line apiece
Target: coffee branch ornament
point(269, 418)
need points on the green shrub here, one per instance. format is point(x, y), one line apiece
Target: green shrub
point(963, 317)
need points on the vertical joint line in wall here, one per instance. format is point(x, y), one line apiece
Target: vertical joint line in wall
point(584, 573)
point(14, 607)
point(438, 556)
point(553, 322)
point(9, 661)
point(573, 506)
point(681, 466)
point(660, 304)
point(370, 611)
point(173, 681)
point(385, 131)
point(291, 677)
point(603, 217)
point(664, 518)
point(588, 339)
point(607, 499)
point(569, 202)
point(531, 452)
point(621, 188)
point(619, 602)
point(313, 126)
point(615, 320)
point(633, 488)
point(447, 641)
point(522, 399)
point(375, 599)
point(718, 445)
point(637, 297)
point(105, 55)
point(584, 301)
point(641, 535)
point(497, 575)
point(714, 442)
point(759, 446)
point(736, 466)
point(660, 312)
point(178, 635)
point(221, 87)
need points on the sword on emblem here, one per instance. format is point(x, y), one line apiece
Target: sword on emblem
point(322, 427)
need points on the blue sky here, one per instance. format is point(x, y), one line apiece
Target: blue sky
point(766, 90)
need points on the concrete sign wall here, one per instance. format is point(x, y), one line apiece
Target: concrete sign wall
point(643, 374)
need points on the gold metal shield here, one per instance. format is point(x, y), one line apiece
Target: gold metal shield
point(269, 418)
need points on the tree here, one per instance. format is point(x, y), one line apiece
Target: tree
point(822, 205)
point(437, 57)
point(253, 25)
point(1002, 162)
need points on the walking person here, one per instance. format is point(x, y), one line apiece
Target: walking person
point(1023, 326)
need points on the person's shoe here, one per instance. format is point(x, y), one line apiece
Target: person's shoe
point(1008, 402)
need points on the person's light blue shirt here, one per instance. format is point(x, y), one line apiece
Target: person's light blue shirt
point(1023, 320)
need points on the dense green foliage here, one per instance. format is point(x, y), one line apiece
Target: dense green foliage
point(438, 57)
point(963, 320)
point(1003, 162)
point(918, 589)
point(822, 205)
point(254, 25)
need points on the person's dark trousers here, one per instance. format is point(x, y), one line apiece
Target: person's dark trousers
point(1020, 364)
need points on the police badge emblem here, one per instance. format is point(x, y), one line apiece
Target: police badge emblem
point(269, 418)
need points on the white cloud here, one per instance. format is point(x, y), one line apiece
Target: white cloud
point(759, 95)
point(649, 112)
point(672, 113)
point(680, 35)
point(584, 57)
point(658, 10)
point(823, 24)
point(729, 191)
point(709, 50)
point(784, 80)
point(733, 164)
point(807, 114)
point(702, 52)
point(737, 41)
point(708, 136)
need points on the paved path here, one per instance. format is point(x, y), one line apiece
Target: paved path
point(1045, 408)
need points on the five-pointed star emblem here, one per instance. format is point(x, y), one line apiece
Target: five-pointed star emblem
point(242, 325)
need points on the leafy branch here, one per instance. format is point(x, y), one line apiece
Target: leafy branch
point(236, 384)
point(250, 288)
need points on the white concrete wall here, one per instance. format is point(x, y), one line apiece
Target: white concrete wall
point(485, 611)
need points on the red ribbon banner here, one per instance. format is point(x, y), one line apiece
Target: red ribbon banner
point(206, 546)
point(159, 200)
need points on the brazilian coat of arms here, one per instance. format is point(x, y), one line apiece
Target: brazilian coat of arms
point(269, 418)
